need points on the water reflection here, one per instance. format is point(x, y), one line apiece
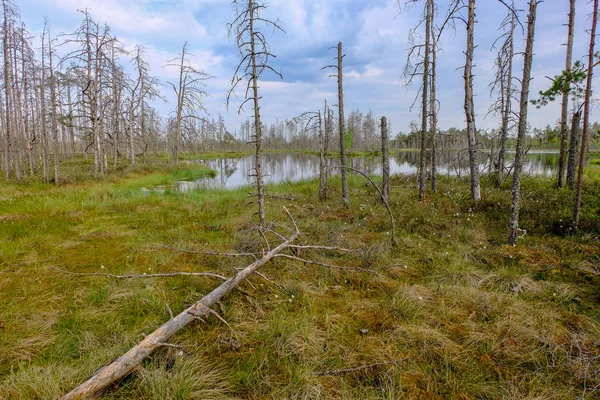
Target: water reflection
point(293, 167)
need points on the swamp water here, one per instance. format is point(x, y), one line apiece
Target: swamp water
point(293, 167)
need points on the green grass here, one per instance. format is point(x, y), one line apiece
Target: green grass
point(463, 314)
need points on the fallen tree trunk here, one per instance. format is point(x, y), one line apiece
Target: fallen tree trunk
point(125, 364)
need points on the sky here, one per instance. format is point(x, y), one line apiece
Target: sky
point(374, 34)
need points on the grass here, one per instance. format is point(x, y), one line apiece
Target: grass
point(462, 314)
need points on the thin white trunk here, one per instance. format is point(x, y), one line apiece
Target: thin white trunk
point(469, 111)
point(516, 187)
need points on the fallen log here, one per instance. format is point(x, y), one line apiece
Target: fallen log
point(125, 364)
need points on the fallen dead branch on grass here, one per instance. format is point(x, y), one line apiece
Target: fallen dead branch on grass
point(125, 364)
point(143, 276)
point(354, 369)
point(330, 266)
point(129, 361)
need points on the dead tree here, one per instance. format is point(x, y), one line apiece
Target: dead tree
point(522, 127)
point(255, 54)
point(385, 161)
point(565, 97)
point(469, 106)
point(42, 112)
point(89, 63)
point(341, 122)
point(433, 100)
point(425, 101)
point(324, 140)
point(190, 89)
point(503, 84)
point(586, 116)
point(9, 12)
point(53, 106)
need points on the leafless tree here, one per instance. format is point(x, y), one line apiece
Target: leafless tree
point(91, 63)
point(9, 14)
point(433, 99)
point(565, 97)
point(341, 122)
point(503, 83)
point(255, 54)
point(522, 127)
point(469, 106)
point(190, 89)
point(586, 116)
point(422, 60)
point(53, 106)
point(425, 99)
point(323, 145)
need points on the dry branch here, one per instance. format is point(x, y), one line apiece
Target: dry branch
point(125, 364)
point(330, 266)
point(359, 368)
point(143, 276)
point(383, 200)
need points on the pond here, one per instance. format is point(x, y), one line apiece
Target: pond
point(293, 167)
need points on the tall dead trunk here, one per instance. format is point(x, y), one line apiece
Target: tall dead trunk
point(433, 103)
point(44, 132)
point(17, 124)
point(257, 124)
point(586, 117)
point(506, 95)
point(7, 92)
point(385, 161)
point(469, 107)
point(70, 116)
point(341, 123)
point(425, 102)
point(516, 187)
point(323, 154)
point(28, 134)
point(573, 144)
point(180, 103)
point(53, 115)
point(565, 98)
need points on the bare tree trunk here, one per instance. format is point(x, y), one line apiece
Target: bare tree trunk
point(70, 111)
point(17, 124)
point(125, 364)
point(7, 94)
point(385, 161)
point(573, 143)
point(565, 98)
point(425, 102)
point(341, 123)
point(586, 117)
point(433, 102)
point(53, 115)
point(180, 101)
point(44, 133)
point(323, 155)
point(506, 89)
point(28, 134)
point(131, 130)
point(469, 111)
point(257, 124)
point(516, 187)
point(115, 109)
